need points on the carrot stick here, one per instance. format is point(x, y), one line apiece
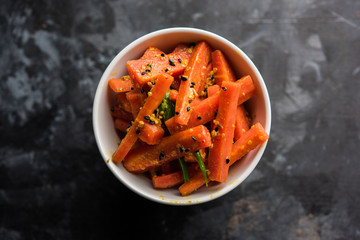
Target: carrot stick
point(168, 180)
point(151, 134)
point(193, 184)
point(180, 58)
point(202, 113)
point(155, 62)
point(148, 67)
point(248, 141)
point(190, 81)
point(204, 79)
point(156, 95)
point(213, 90)
point(121, 85)
point(241, 122)
point(121, 125)
point(136, 101)
point(170, 148)
point(247, 88)
point(222, 69)
point(223, 133)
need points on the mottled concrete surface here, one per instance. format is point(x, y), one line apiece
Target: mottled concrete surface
point(54, 184)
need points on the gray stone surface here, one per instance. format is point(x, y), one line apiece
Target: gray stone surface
point(54, 184)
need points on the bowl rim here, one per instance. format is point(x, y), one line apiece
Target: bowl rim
point(267, 127)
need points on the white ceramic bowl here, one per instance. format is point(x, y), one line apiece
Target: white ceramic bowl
point(107, 139)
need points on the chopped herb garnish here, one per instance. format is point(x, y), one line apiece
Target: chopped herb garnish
point(201, 165)
point(183, 78)
point(179, 60)
point(227, 160)
point(184, 169)
point(147, 118)
point(177, 113)
point(224, 88)
point(143, 73)
point(193, 138)
point(199, 117)
point(166, 70)
point(188, 109)
point(137, 131)
point(163, 55)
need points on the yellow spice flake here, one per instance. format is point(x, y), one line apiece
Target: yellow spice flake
point(141, 124)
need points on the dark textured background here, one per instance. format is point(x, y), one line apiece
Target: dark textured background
point(54, 183)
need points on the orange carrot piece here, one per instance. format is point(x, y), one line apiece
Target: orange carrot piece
point(193, 184)
point(121, 125)
point(223, 134)
point(156, 95)
point(169, 148)
point(201, 114)
point(247, 88)
point(148, 67)
point(168, 180)
point(180, 57)
point(195, 102)
point(136, 101)
point(121, 84)
point(255, 136)
point(241, 122)
point(190, 81)
point(203, 82)
point(151, 134)
point(155, 62)
point(222, 69)
point(173, 94)
point(213, 90)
